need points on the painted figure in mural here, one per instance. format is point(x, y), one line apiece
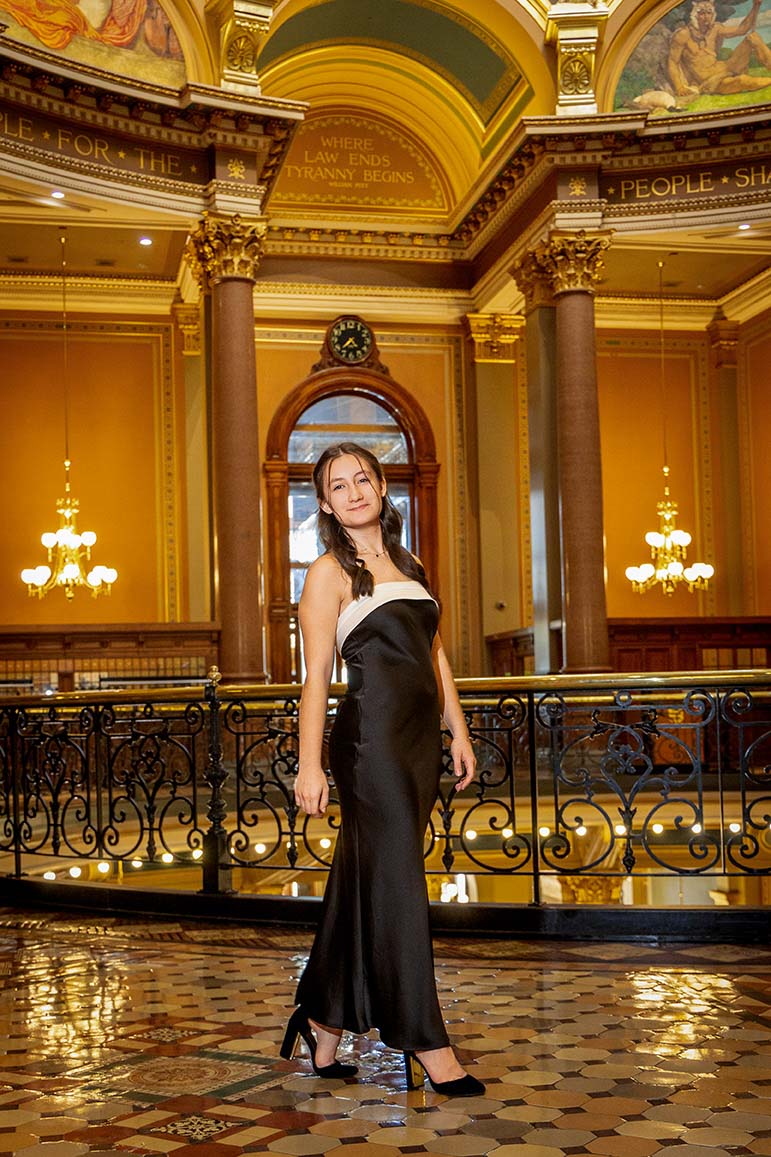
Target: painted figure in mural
point(118, 23)
point(694, 63)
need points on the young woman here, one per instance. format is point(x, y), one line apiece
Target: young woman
point(372, 964)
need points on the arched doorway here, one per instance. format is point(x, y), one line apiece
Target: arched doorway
point(330, 406)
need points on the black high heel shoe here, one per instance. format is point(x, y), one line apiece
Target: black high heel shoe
point(465, 1086)
point(299, 1026)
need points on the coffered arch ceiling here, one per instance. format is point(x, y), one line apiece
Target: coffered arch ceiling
point(439, 71)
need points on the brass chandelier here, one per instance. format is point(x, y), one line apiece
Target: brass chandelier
point(668, 545)
point(69, 551)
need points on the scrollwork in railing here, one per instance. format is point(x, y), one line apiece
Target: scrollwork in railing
point(481, 829)
point(7, 793)
point(748, 720)
point(55, 781)
point(614, 767)
point(152, 789)
point(263, 748)
point(626, 777)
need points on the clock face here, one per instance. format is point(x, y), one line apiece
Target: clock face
point(350, 340)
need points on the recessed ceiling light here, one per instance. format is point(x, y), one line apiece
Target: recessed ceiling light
point(57, 194)
point(744, 226)
point(145, 240)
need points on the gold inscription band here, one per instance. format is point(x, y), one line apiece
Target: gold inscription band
point(712, 181)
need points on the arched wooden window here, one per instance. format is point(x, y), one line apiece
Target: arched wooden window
point(336, 405)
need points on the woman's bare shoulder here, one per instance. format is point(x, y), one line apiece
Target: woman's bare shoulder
point(327, 566)
point(326, 572)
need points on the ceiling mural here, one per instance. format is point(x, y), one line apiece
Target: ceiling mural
point(701, 55)
point(132, 38)
point(338, 160)
point(449, 43)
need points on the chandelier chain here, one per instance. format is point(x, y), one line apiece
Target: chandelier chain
point(667, 568)
point(69, 551)
point(662, 389)
point(65, 349)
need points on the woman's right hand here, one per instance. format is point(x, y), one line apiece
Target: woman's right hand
point(311, 791)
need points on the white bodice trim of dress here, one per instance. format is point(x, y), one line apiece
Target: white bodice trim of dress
point(357, 611)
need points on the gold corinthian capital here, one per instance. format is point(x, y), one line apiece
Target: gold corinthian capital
point(225, 247)
point(567, 261)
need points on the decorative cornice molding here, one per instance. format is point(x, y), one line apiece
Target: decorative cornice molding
point(195, 106)
point(87, 293)
point(378, 304)
point(326, 240)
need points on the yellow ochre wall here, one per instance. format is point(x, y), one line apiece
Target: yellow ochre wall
point(703, 480)
point(635, 418)
point(127, 447)
point(124, 471)
point(754, 443)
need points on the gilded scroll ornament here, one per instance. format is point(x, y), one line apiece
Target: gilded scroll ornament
point(240, 27)
point(494, 335)
point(220, 247)
point(576, 28)
point(534, 280)
point(576, 72)
point(567, 261)
point(188, 321)
point(241, 54)
point(575, 260)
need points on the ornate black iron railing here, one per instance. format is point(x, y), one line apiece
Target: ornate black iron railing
point(601, 789)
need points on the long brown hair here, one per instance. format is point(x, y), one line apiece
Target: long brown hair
point(336, 539)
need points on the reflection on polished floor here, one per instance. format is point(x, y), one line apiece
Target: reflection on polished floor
point(136, 1036)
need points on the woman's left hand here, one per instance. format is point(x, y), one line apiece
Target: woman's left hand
point(464, 762)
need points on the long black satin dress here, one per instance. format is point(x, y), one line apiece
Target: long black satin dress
point(372, 965)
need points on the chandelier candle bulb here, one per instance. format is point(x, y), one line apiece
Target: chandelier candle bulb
point(668, 554)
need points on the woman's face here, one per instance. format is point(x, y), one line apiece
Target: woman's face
point(353, 493)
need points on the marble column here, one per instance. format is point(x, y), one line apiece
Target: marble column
point(188, 323)
point(724, 340)
point(546, 557)
point(224, 254)
point(571, 264)
point(493, 348)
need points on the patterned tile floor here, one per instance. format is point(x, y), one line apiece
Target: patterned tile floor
point(137, 1036)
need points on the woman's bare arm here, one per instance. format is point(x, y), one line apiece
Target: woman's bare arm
point(319, 608)
point(463, 758)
